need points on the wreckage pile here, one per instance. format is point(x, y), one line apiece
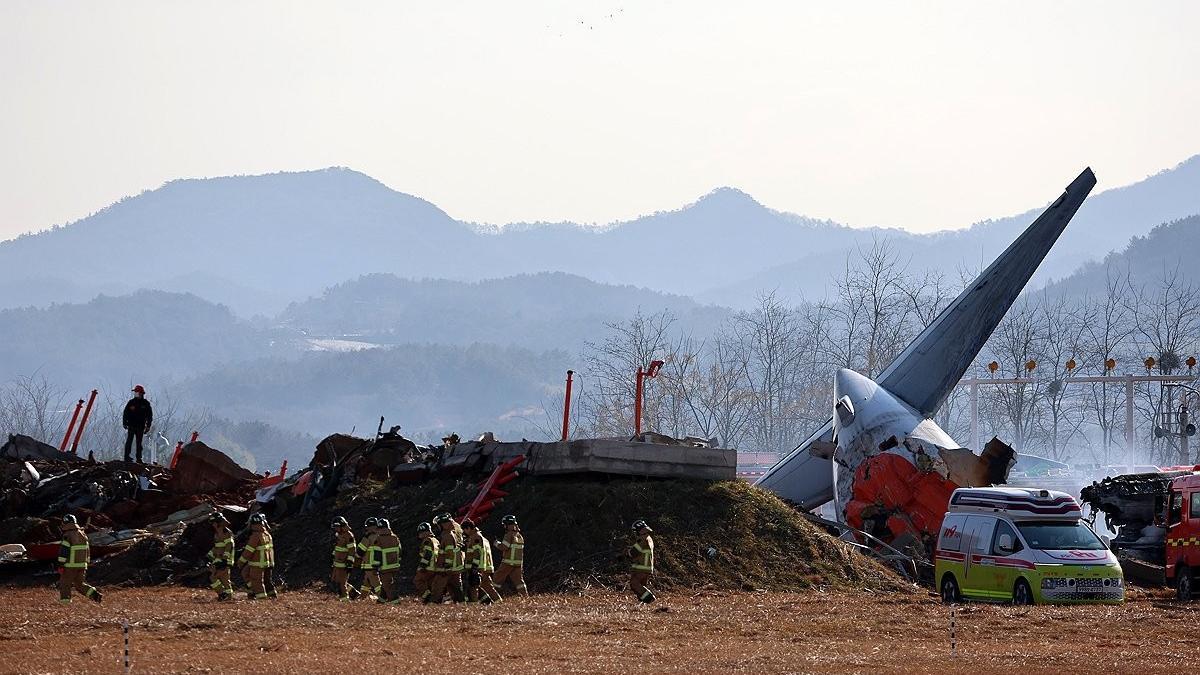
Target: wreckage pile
point(575, 501)
point(126, 509)
point(723, 535)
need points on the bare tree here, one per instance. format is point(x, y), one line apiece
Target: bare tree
point(1106, 327)
point(708, 381)
point(1167, 325)
point(1062, 339)
point(610, 367)
point(33, 406)
point(775, 350)
point(1015, 407)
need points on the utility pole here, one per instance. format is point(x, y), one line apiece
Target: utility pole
point(639, 393)
point(1178, 423)
point(975, 416)
point(1128, 413)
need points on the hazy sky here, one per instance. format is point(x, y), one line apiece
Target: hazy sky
point(924, 115)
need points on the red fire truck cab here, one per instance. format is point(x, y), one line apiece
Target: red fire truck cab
point(1183, 535)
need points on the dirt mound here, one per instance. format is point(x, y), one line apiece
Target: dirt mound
point(723, 535)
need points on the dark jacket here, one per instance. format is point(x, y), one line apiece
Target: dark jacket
point(138, 414)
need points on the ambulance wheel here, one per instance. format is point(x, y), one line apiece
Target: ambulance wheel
point(950, 594)
point(1184, 585)
point(1022, 594)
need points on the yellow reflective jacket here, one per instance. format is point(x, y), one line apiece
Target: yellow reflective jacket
point(344, 549)
point(73, 550)
point(223, 548)
point(642, 553)
point(259, 550)
point(427, 558)
point(513, 548)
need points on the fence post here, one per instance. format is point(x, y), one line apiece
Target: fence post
point(125, 629)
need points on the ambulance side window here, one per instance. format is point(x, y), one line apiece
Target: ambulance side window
point(1003, 528)
point(952, 531)
point(980, 529)
point(1194, 511)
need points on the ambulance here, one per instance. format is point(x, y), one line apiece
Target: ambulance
point(1023, 546)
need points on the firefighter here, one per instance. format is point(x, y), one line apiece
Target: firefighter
point(344, 550)
point(427, 562)
point(512, 556)
point(642, 555)
point(269, 571)
point(136, 419)
point(479, 565)
point(450, 560)
point(366, 561)
point(74, 554)
point(220, 557)
point(388, 546)
point(258, 557)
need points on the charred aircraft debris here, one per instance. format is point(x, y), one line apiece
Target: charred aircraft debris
point(881, 459)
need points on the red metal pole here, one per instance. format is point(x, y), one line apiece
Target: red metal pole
point(83, 422)
point(62, 447)
point(195, 435)
point(567, 407)
point(637, 403)
point(283, 469)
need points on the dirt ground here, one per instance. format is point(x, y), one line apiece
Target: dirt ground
point(184, 630)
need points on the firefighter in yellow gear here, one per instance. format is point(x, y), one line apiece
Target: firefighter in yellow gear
point(220, 557)
point(427, 562)
point(388, 545)
point(366, 560)
point(512, 556)
point(642, 556)
point(74, 554)
point(450, 560)
point(258, 558)
point(344, 551)
point(269, 571)
point(479, 566)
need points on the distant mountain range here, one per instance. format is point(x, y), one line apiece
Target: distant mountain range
point(549, 310)
point(435, 355)
point(120, 341)
point(258, 243)
point(1169, 249)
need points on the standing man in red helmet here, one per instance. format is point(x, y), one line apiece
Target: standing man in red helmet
point(136, 419)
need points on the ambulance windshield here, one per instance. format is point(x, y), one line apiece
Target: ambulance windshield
point(1059, 535)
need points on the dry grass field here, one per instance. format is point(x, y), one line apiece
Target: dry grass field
point(184, 630)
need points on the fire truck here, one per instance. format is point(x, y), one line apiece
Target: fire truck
point(1157, 520)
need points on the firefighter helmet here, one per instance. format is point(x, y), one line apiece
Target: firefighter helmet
point(70, 519)
point(383, 524)
point(510, 519)
point(218, 518)
point(339, 522)
point(371, 522)
point(258, 519)
point(424, 527)
point(641, 525)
